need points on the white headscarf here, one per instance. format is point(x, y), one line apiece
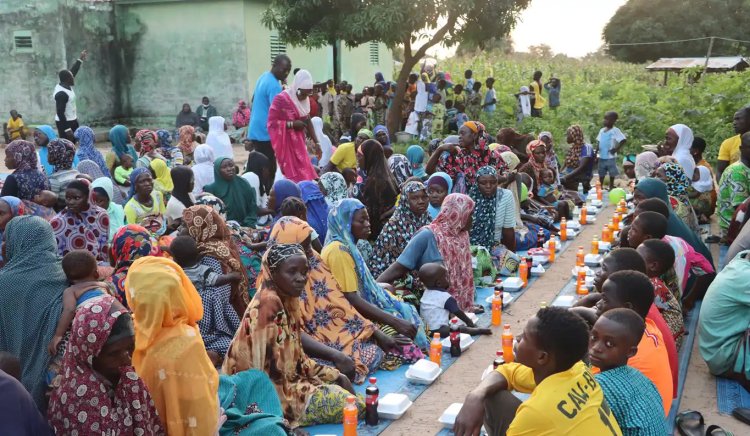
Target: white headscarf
point(302, 80)
point(203, 170)
point(525, 101)
point(682, 150)
point(706, 182)
point(218, 139)
point(325, 144)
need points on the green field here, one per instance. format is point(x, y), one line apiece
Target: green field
point(592, 87)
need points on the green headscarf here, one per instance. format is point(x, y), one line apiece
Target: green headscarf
point(237, 194)
point(365, 132)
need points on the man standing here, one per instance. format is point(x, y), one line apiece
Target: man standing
point(266, 88)
point(729, 151)
point(205, 111)
point(66, 116)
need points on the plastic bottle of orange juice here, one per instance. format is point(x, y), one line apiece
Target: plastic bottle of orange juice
point(350, 416)
point(563, 229)
point(523, 272)
point(551, 247)
point(579, 257)
point(582, 290)
point(436, 349)
point(582, 217)
point(606, 234)
point(507, 340)
point(497, 309)
point(595, 246)
point(580, 278)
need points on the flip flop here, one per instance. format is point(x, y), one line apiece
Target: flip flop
point(743, 414)
point(478, 309)
point(715, 430)
point(689, 423)
point(712, 239)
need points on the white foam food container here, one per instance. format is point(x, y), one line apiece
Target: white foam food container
point(573, 225)
point(537, 271)
point(512, 284)
point(472, 316)
point(589, 271)
point(604, 246)
point(592, 209)
point(592, 259)
point(539, 259)
point(507, 298)
point(466, 341)
point(423, 372)
point(448, 418)
point(557, 244)
point(596, 203)
point(589, 281)
point(487, 372)
point(393, 406)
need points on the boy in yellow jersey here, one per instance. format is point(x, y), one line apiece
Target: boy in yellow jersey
point(565, 398)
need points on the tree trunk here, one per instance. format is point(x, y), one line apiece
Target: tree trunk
point(394, 114)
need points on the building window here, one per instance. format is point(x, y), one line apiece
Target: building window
point(22, 41)
point(374, 53)
point(278, 46)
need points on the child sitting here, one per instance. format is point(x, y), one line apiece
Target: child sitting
point(633, 398)
point(81, 270)
point(437, 305)
point(548, 187)
point(184, 250)
point(659, 258)
point(122, 172)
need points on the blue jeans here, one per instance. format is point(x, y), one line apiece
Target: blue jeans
point(608, 166)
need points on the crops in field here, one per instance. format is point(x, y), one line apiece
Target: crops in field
point(592, 87)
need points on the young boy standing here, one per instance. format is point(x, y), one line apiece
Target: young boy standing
point(634, 400)
point(565, 397)
point(490, 97)
point(610, 140)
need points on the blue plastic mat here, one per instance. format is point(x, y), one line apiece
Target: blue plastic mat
point(730, 395)
point(683, 359)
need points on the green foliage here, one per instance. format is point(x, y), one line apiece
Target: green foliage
point(667, 20)
point(591, 88)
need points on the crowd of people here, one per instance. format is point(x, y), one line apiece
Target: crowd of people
point(157, 288)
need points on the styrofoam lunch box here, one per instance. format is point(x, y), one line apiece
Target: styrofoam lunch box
point(537, 271)
point(589, 271)
point(539, 259)
point(423, 372)
point(604, 246)
point(472, 316)
point(557, 244)
point(466, 341)
point(592, 259)
point(448, 418)
point(512, 284)
point(507, 298)
point(393, 406)
point(573, 225)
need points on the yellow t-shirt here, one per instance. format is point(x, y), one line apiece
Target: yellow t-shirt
point(567, 403)
point(341, 265)
point(730, 149)
point(15, 124)
point(539, 101)
point(345, 156)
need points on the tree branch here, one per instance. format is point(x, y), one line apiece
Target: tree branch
point(437, 37)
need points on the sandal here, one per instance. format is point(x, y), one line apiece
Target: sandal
point(712, 239)
point(689, 423)
point(743, 414)
point(715, 430)
point(478, 309)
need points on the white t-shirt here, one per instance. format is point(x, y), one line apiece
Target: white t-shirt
point(260, 201)
point(434, 308)
point(175, 208)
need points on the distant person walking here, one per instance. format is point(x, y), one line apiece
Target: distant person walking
point(553, 87)
point(266, 88)
point(538, 100)
point(205, 111)
point(66, 116)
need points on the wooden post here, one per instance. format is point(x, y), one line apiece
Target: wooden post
point(665, 77)
point(708, 53)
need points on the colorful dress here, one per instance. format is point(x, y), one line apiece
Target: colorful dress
point(670, 308)
point(87, 150)
point(288, 143)
point(87, 230)
point(677, 188)
point(86, 402)
point(468, 162)
point(129, 244)
point(734, 188)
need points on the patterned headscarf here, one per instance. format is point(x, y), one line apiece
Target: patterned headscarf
point(645, 164)
point(483, 227)
point(335, 187)
point(398, 231)
point(87, 150)
point(536, 166)
point(381, 128)
point(573, 157)
point(677, 181)
point(134, 178)
point(214, 203)
point(129, 244)
point(400, 168)
point(82, 402)
point(147, 140)
point(510, 159)
point(453, 243)
point(17, 206)
point(187, 139)
point(29, 179)
point(278, 253)
point(24, 154)
point(165, 138)
point(340, 229)
point(61, 153)
point(213, 238)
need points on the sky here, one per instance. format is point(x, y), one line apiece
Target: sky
point(571, 27)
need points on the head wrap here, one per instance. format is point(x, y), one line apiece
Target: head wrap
point(237, 194)
point(87, 150)
point(645, 164)
point(129, 244)
point(415, 154)
point(23, 153)
point(61, 153)
point(187, 139)
point(118, 136)
point(278, 253)
point(573, 157)
point(682, 149)
point(400, 168)
point(367, 133)
point(483, 223)
point(302, 80)
point(147, 140)
point(510, 159)
point(335, 187)
point(381, 128)
point(677, 181)
point(134, 178)
point(705, 183)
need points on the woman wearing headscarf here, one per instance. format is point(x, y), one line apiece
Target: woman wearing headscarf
point(235, 192)
point(400, 168)
point(120, 139)
point(317, 208)
point(258, 175)
point(146, 143)
point(146, 205)
point(326, 147)
point(446, 241)
point(240, 120)
point(99, 389)
point(677, 142)
point(334, 188)
point(415, 154)
point(537, 153)
point(172, 154)
point(129, 244)
point(219, 253)
point(186, 143)
point(378, 192)
point(702, 194)
point(81, 225)
point(494, 220)
point(270, 340)
point(579, 161)
point(42, 136)
point(381, 134)
point(163, 178)
point(87, 150)
point(61, 153)
point(410, 216)
point(31, 288)
point(91, 169)
point(218, 139)
point(645, 164)
point(102, 191)
point(439, 185)
point(327, 315)
point(182, 195)
point(203, 170)
point(348, 222)
point(288, 121)
point(462, 161)
point(169, 353)
point(677, 187)
point(282, 190)
point(551, 159)
point(10, 207)
point(26, 181)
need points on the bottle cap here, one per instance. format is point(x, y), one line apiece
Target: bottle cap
point(351, 399)
point(454, 321)
point(507, 326)
point(497, 293)
point(436, 336)
point(499, 353)
point(373, 380)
